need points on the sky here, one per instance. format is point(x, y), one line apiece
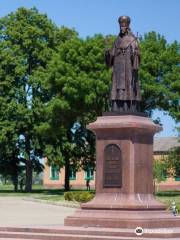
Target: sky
point(89, 17)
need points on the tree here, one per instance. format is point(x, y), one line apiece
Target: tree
point(79, 83)
point(160, 170)
point(27, 42)
point(9, 162)
point(84, 150)
point(173, 161)
point(160, 74)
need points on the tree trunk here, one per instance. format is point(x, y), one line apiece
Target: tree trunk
point(28, 186)
point(66, 180)
point(15, 181)
point(4, 180)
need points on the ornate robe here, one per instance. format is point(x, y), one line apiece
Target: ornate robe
point(124, 58)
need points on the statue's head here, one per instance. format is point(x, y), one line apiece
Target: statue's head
point(124, 22)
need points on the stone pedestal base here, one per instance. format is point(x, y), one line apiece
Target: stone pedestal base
point(120, 201)
point(123, 219)
point(124, 179)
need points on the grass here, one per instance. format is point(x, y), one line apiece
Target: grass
point(169, 196)
point(39, 192)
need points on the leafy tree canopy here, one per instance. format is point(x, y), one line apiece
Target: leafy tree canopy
point(27, 42)
point(160, 74)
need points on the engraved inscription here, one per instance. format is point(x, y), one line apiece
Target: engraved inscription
point(112, 166)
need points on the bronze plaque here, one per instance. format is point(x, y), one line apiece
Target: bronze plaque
point(112, 166)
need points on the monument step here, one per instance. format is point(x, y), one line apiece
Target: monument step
point(40, 236)
point(82, 233)
point(26, 236)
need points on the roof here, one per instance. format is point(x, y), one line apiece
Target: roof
point(164, 144)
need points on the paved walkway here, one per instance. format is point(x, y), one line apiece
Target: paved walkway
point(15, 211)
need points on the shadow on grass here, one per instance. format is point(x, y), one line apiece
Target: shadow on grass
point(41, 191)
point(36, 191)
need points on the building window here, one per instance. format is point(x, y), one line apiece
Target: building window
point(54, 172)
point(72, 173)
point(89, 173)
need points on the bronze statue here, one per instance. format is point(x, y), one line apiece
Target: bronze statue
point(124, 58)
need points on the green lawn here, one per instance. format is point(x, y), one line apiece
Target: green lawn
point(168, 197)
point(37, 192)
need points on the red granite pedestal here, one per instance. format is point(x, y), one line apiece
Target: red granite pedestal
point(124, 179)
point(124, 190)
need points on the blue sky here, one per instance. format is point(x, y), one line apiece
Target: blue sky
point(89, 17)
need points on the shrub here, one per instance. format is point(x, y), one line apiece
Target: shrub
point(78, 196)
point(68, 196)
point(85, 197)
